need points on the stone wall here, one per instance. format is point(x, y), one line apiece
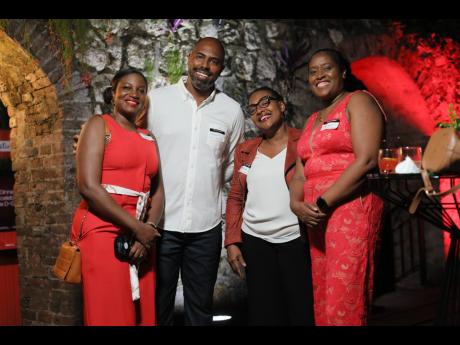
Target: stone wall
point(44, 168)
point(46, 113)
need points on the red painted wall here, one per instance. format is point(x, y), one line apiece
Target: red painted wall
point(10, 311)
point(395, 89)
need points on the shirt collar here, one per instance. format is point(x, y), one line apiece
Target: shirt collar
point(187, 95)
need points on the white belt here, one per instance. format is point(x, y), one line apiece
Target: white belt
point(141, 208)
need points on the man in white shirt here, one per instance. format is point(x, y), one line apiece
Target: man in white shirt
point(197, 129)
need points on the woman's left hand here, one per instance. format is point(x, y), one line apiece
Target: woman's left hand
point(308, 213)
point(314, 216)
point(138, 252)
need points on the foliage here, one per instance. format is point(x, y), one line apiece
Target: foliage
point(70, 35)
point(3, 24)
point(454, 119)
point(175, 65)
point(148, 69)
point(175, 24)
point(433, 61)
point(290, 60)
point(174, 62)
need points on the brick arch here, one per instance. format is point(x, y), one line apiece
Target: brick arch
point(43, 164)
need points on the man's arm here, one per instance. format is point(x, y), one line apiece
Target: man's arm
point(236, 137)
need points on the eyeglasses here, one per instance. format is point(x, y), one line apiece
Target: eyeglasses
point(263, 103)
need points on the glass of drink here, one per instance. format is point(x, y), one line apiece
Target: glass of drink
point(414, 153)
point(388, 159)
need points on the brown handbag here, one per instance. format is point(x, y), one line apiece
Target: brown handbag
point(442, 155)
point(68, 263)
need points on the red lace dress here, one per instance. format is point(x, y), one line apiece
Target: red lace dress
point(343, 249)
point(129, 161)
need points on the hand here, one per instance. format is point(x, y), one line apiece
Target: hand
point(138, 252)
point(75, 143)
point(146, 235)
point(308, 213)
point(75, 140)
point(236, 260)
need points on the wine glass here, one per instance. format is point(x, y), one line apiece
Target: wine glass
point(388, 159)
point(414, 153)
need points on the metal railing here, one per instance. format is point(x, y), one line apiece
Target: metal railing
point(399, 190)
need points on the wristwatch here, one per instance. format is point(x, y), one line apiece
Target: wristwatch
point(322, 205)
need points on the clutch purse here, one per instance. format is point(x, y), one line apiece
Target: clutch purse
point(123, 244)
point(68, 263)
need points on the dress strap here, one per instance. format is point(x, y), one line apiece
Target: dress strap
point(347, 98)
point(376, 101)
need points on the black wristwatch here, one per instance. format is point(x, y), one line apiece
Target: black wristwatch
point(322, 205)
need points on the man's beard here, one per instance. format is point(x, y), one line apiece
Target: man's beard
point(202, 85)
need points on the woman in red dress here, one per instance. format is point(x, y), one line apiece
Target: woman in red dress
point(117, 166)
point(338, 147)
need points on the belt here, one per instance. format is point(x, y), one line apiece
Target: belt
point(141, 208)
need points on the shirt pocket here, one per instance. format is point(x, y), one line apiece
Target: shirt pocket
point(216, 137)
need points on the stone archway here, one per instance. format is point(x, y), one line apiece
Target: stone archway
point(43, 165)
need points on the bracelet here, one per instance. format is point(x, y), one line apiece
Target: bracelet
point(152, 224)
point(322, 205)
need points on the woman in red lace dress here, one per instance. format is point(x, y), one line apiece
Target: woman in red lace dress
point(338, 147)
point(117, 166)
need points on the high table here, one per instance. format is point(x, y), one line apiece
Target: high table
point(399, 190)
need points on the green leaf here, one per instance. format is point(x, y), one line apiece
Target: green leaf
point(457, 123)
point(175, 65)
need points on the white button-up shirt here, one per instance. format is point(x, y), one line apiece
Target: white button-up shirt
point(196, 147)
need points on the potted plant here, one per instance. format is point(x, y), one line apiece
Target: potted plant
point(454, 119)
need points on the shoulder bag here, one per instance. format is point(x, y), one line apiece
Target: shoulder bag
point(442, 155)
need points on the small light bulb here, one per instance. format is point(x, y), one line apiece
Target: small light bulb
point(221, 317)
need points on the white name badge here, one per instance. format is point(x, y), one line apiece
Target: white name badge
point(244, 169)
point(333, 124)
point(146, 137)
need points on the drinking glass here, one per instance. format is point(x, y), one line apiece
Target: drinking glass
point(414, 153)
point(388, 159)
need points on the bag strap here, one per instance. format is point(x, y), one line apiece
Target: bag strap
point(107, 137)
point(80, 235)
point(429, 191)
point(107, 133)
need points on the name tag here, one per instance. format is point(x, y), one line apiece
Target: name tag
point(244, 169)
point(333, 124)
point(146, 137)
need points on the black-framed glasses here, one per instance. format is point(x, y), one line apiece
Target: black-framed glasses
point(263, 103)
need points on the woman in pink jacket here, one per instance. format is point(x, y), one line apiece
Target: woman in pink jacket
point(263, 236)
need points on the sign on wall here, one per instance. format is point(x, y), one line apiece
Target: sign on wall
point(5, 147)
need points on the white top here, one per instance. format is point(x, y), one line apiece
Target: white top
point(196, 146)
point(267, 213)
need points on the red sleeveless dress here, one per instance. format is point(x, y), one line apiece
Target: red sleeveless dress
point(129, 161)
point(343, 249)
